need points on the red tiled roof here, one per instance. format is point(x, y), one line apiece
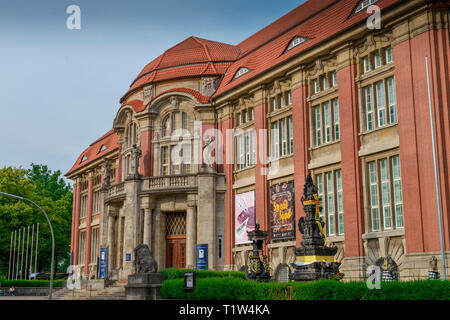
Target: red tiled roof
point(328, 18)
point(109, 140)
point(137, 105)
point(191, 57)
point(203, 69)
point(201, 98)
point(283, 24)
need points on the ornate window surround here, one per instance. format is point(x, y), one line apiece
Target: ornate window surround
point(165, 109)
point(366, 191)
point(370, 45)
point(325, 67)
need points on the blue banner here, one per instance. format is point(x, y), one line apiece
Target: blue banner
point(202, 257)
point(103, 263)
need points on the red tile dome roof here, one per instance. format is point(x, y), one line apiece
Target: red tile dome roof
point(191, 57)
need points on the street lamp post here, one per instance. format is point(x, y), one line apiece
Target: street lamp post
point(51, 230)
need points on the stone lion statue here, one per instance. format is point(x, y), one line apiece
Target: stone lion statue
point(143, 260)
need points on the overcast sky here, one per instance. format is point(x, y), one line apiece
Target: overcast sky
point(60, 88)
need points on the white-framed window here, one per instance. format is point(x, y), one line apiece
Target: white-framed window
point(329, 186)
point(291, 134)
point(165, 160)
point(325, 122)
point(282, 101)
point(295, 42)
point(274, 103)
point(365, 4)
point(334, 78)
point(325, 83)
point(385, 193)
point(241, 72)
point(281, 138)
point(373, 195)
point(96, 202)
point(337, 129)
point(318, 126)
point(274, 141)
point(366, 64)
point(289, 94)
point(397, 191)
point(245, 149)
point(377, 60)
point(166, 126)
point(94, 245)
point(339, 201)
point(316, 86)
point(376, 114)
point(83, 208)
point(381, 103)
point(389, 55)
point(131, 134)
point(82, 248)
point(392, 100)
point(330, 202)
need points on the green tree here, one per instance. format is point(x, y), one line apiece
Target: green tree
point(48, 190)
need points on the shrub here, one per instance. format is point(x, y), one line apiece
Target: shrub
point(172, 273)
point(31, 283)
point(233, 288)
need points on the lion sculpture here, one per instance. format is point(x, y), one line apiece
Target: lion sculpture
point(144, 261)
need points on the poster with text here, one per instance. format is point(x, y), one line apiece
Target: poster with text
point(282, 220)
point(244, 216)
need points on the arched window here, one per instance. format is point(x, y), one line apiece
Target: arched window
point(176, 122)
point(132, 134)
point(241, 72)
point(166, 126)
point(295, 42)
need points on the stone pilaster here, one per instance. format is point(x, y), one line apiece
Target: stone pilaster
point(206, 204)
point(191, 231)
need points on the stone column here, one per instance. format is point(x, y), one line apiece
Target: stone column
point(147, 206)
point(87, 257)
point(147, 239)
point(111, 213)
point(206, 234)
point(191, 232)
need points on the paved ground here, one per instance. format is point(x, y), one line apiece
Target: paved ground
point(24, 298)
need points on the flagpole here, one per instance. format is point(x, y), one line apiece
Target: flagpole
point(436, 177)
point(10, 256)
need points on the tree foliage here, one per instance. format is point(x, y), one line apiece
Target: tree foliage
point(49, 191)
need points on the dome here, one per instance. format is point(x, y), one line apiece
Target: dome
point(191, 57)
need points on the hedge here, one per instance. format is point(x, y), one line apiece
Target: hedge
point(30, 283)
point(238, 289)
point(173, 273)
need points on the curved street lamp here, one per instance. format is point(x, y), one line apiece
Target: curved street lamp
point(51, 230)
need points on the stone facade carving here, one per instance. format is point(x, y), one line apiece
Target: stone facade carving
point(209, 86)
point(148, 93)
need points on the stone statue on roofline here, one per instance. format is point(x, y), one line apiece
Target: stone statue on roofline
point(136, 154)
point(107, 175)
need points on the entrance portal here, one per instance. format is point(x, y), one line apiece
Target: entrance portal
point(176, 240)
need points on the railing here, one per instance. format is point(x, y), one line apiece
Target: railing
point(169, 182)
point(157, 184)
point(116, 190)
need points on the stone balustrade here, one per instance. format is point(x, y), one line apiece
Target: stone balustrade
point(172, 183)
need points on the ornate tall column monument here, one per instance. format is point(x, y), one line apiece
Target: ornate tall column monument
point(314, 259)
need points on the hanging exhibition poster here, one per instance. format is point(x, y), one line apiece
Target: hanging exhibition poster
point(244, 216)
point(282, 220)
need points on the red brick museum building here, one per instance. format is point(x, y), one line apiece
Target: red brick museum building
point(318, 91)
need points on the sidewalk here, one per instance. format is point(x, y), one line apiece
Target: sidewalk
point(24, 298)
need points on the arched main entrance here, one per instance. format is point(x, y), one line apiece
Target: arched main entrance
point(176, 240)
